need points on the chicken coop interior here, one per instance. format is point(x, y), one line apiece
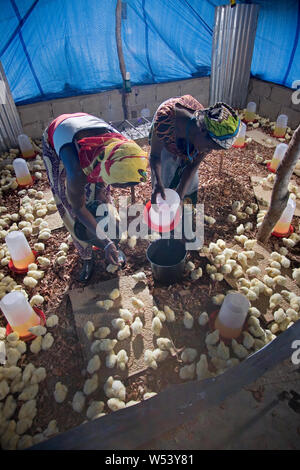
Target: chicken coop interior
point(178, 347)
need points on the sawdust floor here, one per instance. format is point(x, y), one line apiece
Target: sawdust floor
point(65, 362)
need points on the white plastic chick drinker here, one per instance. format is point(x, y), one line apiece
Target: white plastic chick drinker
point(19, 249)
point(283, 225)
point(22, 172)
point(232, 315)
point(19, 313)
point(278, 156)
point(25, 145)
point(281, 125)
point(250, 111)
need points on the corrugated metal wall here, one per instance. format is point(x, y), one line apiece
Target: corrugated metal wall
point(233, 42)
point(10, 124)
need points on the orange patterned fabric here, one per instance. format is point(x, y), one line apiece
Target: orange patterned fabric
point(164, 121)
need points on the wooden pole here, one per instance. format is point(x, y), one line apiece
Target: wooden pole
point(280, 193)
point(121, 56)
point(122, 69)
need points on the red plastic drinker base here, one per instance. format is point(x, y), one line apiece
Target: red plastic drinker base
point(20, 271)
point(239, 146)
point(24, 186)
point(269, 167)
point(284, 235)
point(30, 336)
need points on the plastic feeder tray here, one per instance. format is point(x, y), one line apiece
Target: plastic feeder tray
point(29, 337)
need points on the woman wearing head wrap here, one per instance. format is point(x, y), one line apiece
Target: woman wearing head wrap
point(182, 134)
point(84, 156)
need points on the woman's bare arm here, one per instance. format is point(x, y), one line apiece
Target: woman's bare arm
point(76, 181)
point(155, 164)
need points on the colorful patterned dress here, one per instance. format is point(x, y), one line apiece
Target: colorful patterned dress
point(57, 179)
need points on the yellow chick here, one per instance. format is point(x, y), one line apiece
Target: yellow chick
point(137, 326)
point(102, 332)
point(187, 372)
point(141, 276)
point(108, 344)
point(188, 320)
point(94, 409)
point(160, 355)
point(137, 303)
point(38, 330)
point(239, 350)
point(47, 342)
point(38, 375)
point(203, 319)
point(165, 344)
point(90, 385)
point(122, 359)
point(149, 359)
point(94, 364)
point(170, 314)
point(223, 351)
point(212, 338)
point(118, 323)
point(202, 368)
point(156, 326)
point(115, 404)
point(275, 299)
point(126, 315)
point(188, 355)
point(111, 360)
point(52, 321)
point(78, 402)
point(123, 334)
point(60, 392)
point(111, 268)
point(115, 294)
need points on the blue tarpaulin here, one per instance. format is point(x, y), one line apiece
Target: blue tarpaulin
point(58, 48)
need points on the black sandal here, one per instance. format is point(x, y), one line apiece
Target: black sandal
point(87, 270)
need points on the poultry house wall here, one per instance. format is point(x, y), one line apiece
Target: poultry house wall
point(271, 100)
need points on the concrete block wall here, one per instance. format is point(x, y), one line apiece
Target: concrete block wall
point(272, 100)
point(108, 105)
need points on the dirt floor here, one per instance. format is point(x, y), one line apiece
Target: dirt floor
point(224, 178)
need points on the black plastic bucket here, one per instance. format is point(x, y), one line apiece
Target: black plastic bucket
point(167, 259)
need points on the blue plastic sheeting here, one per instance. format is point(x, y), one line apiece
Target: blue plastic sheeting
point(58, 48)
point(276, 55)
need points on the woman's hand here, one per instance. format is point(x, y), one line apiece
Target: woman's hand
point(111, 253)
point(158, 189)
